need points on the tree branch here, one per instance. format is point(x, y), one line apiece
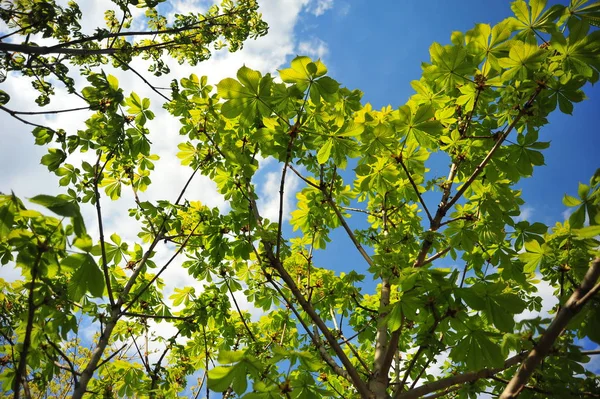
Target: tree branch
point(578, 299)
point(25, 121)
point(22, 368)
point(240, 311)
point(446, 203)
point(139, 75)
point(98, 172)
point(496, 146)
point(71, 367)
point(161, 271)
point(457, 379)
point(115, 313)
point(349, 231)
point(412, 182)
point(55, 111)
point(307, 307)
point(379, 380)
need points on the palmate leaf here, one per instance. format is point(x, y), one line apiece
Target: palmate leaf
point(524, 155)
point(579, 52)
point(450, 66)
point(534, 256)
point(532, 17)
point(527, 232)
point(247, 99)
point(419, 123)
point(87, 276)
point(425, 94)
point(580, 9)
point(490, 43)
point(477, 351)
point(303, 70)
point(499, 306)
point(523, 59)
point(564, 95)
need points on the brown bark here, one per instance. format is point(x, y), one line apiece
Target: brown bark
point(582, 294)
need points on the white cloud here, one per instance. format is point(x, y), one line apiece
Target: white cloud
point(526, 214)
point(314, 48)
point(269, 198)
point(549, 301)
point(321, 6)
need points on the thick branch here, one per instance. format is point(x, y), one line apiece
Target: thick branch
point(44, 50)
point(143, 33)
point(578, 299)
point(22, 368)
point(457, 379)
point(378, 383)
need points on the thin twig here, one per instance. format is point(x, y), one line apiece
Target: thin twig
point(98, 172)
point(239, 311)
point(414, 185)
point(115, 353)
point(157, 275)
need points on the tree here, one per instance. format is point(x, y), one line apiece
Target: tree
point(482, 101)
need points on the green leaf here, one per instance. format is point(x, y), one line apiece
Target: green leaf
point(249, 78)
point(53, 159)
point(420, 123)
point(534, 256)
point(588, 231)
point(61, 205)
point(112, 82)
point(577, 218)
point(183, 295)
point(394, 318)
point(477, 351)
point(4, 97)
point(571, 201)
point(84, 243)
point(302, 71)
point(325, 151)
point(351, 129)
point(450, 66)
point(87, 276)
point(231, 89)
point(7, 218)
point(523, 59)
